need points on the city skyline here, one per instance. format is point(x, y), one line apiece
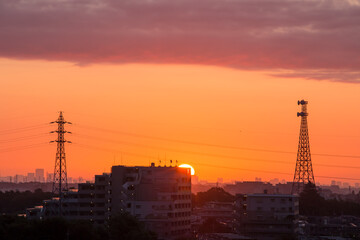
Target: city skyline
point(39, 175)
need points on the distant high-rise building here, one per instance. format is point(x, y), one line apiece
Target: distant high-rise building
point(30, 177)
point(39, 175)
point(19, 178)
point(6, 179)
point(49, 177)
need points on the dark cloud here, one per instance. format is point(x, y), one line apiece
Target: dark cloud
point(297, 35)
point(321, 74)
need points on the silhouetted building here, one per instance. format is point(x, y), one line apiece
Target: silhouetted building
point(39, 175)
point(221, 211)
point(248, 187)
point(160, 197)
point(30, 177)
point(266, 216)
point(19, 178)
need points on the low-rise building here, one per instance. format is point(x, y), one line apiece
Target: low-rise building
point(266, 216)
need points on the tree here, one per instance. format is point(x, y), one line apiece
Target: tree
point(15, 228)
point(126, 227)
point(310, 202)
point(215, 194)
point(13, 202)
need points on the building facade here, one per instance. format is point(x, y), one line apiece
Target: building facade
point(266, 216)
point(39, 175)
point(160, 197)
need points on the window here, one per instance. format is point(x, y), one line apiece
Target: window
point(138, 206)
point(128, 205)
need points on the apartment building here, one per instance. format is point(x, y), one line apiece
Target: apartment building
point(160, 197)
point(266, 216)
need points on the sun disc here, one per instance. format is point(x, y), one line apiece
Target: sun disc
point(188, 166)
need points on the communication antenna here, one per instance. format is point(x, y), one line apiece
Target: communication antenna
point(303, 170)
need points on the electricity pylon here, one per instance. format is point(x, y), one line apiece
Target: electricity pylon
point(60, 173)
point(303, 170)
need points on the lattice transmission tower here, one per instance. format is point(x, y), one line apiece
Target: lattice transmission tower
point(60, 173)
point(303, 170)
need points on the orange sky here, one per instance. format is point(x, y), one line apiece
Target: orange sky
point(200, 104)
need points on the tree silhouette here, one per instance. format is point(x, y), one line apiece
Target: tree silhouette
point(126, 227)
point(215, 194)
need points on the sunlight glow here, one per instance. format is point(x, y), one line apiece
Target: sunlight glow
point(188, 166)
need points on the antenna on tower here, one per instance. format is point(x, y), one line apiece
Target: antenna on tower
point(60, 173)
point(303, 170)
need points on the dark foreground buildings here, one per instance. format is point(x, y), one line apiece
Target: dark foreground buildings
point(267, 216)
point(160, 197)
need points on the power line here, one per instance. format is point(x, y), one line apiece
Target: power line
point(210, 144)
point(273, 172)
point(23, 129)
point(209, 165)
point(207, 154)
point(23, 138)
point(21, 147)
point(111, 150)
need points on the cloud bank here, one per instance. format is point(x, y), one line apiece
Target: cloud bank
point(301, 36)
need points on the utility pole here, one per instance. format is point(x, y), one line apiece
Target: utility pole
point(303, 170)
point(60, 173)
